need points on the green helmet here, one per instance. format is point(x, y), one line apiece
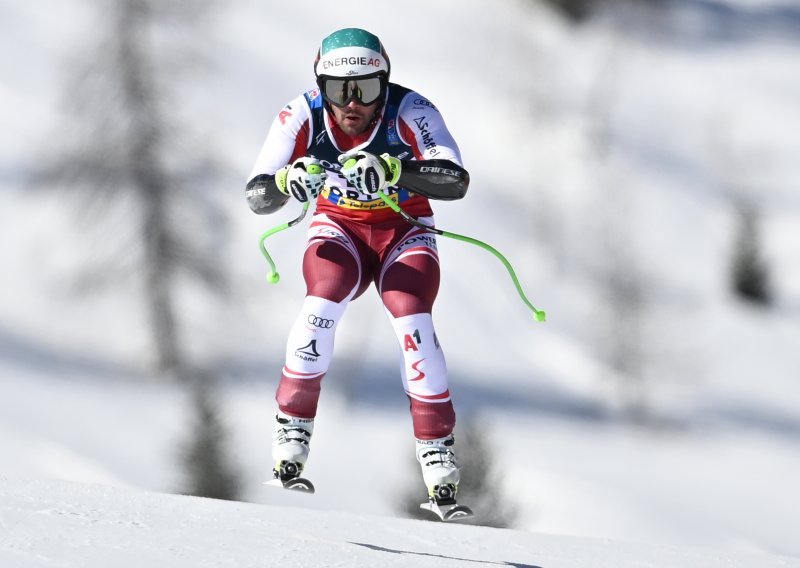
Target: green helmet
point(352, 65)
point(351, 52)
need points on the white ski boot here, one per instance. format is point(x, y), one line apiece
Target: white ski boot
point(438, 462)
point(441, 475)
point(290, 446)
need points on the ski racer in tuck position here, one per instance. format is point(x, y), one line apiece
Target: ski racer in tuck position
point(339, 144)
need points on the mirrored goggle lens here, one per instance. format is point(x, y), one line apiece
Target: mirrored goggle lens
point(342, 91)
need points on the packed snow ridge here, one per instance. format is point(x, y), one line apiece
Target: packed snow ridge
point(54, 523)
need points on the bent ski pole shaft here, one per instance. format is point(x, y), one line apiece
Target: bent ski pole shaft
point(540, 315)
point(273, 277)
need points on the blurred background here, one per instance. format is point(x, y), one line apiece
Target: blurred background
point(635, 160)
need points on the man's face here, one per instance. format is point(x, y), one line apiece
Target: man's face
point(354, 118)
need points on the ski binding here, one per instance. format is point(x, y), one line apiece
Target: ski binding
point(287, 476)
point(443, 505)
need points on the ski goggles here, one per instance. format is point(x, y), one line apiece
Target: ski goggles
point(364, 90)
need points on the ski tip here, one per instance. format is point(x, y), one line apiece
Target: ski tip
point(298, 484)
point(458, 513)
point(448, 513)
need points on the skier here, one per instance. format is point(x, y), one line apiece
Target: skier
point(340, 143)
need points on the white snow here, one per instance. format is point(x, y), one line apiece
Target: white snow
point(711, 481)
point(49, 523)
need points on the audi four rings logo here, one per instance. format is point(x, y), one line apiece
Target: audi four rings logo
point(317, 321)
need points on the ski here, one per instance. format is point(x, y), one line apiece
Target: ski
point(449, 511)
point(300, 484)
point(442, 503)
point(287, 476)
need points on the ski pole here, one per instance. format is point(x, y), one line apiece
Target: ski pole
point(273, 277)
point(537, 313)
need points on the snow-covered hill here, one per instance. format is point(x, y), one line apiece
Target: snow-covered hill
point(47, 523)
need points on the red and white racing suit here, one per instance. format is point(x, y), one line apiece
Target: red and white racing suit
point(355, 240)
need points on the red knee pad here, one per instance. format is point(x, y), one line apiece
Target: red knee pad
point(432, 419)
point(299, 397)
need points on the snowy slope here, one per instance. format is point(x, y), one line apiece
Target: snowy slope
point(46, 523)
point(725, 488)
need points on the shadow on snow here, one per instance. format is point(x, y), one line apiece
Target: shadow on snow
point(442, 556)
